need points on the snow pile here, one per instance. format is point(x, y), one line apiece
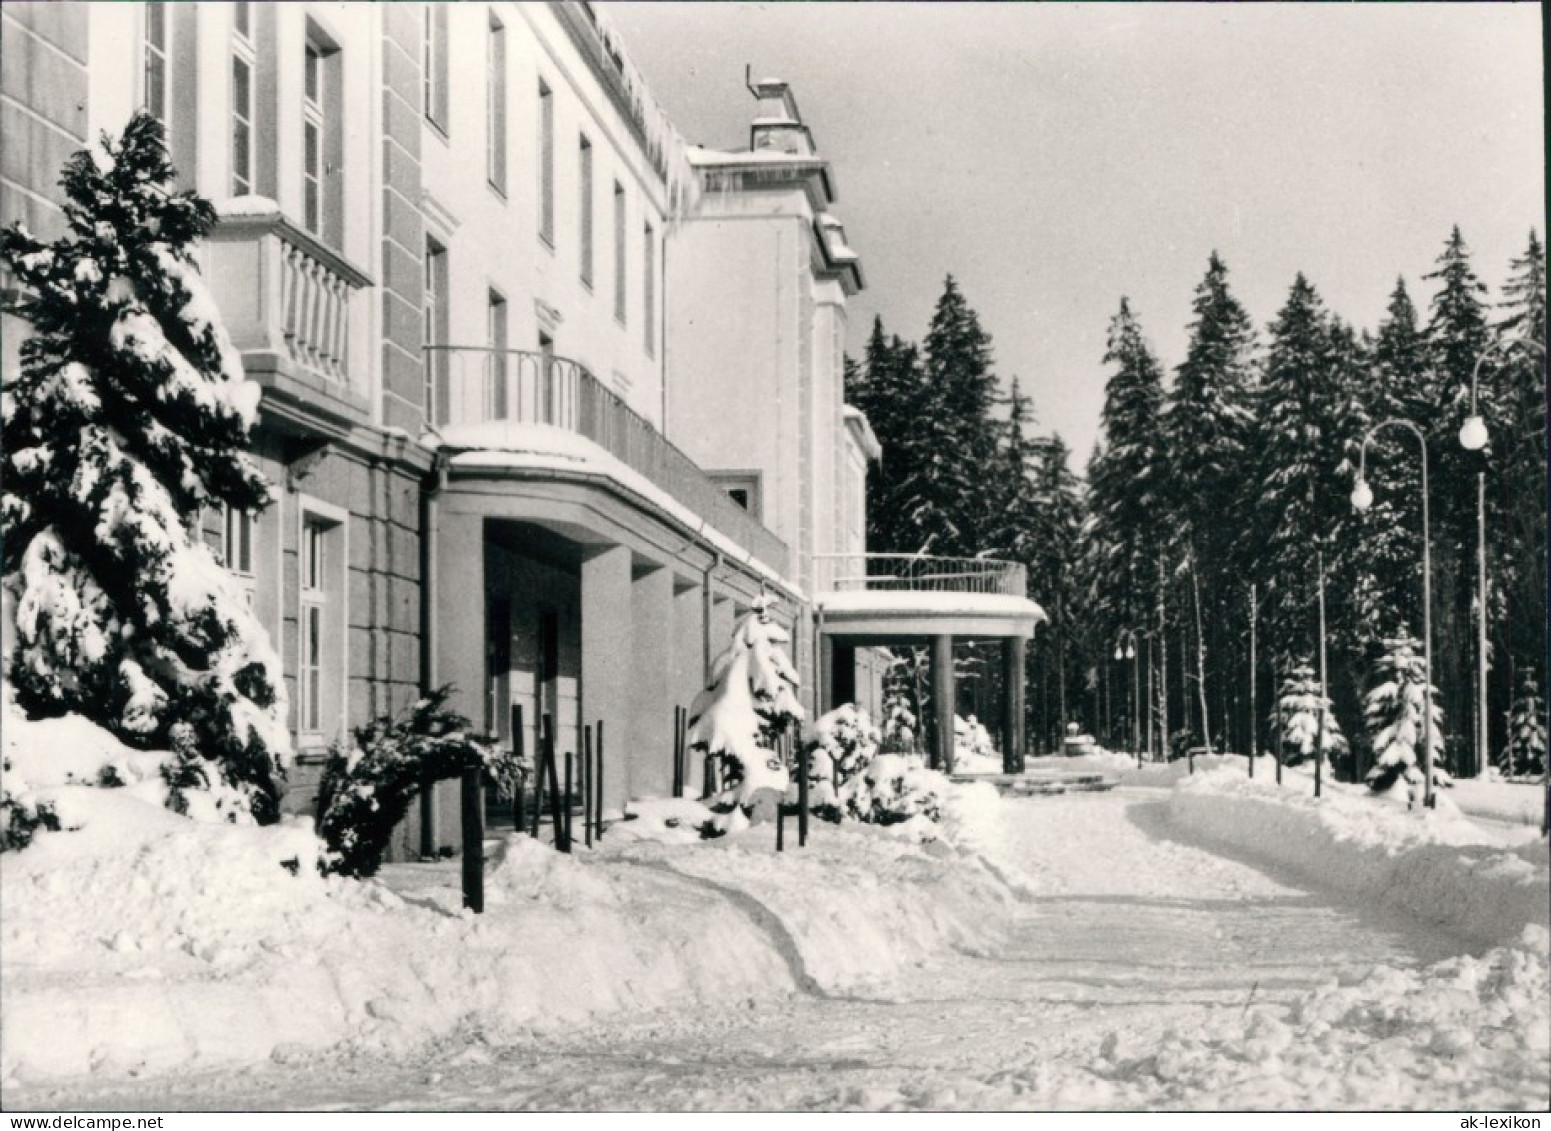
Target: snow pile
point(1464, 1034)
point(1437, 866)
point(1512, 802)
point(146, 943)
point(49, 768)
point(855, 908)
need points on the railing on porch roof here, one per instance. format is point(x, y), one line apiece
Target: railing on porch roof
point(475, 384)
point(916, 572)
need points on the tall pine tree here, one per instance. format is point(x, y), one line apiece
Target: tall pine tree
point(129, 416)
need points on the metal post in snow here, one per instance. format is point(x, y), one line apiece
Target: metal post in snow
point(597, 814)
point(802, 797)
point(1254, 717)
point(516, 725)
point(473, 835)
point(568, 810)
point(587, 776)
point(1319, 738)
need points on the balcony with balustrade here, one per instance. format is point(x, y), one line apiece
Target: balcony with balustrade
point(529, 395)
point(286, 301)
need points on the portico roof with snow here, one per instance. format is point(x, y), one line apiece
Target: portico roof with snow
point(875, 614)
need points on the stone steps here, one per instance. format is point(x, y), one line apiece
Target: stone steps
point(1036, 784)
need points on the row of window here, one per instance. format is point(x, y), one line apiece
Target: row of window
point(321, 74)
point(435, 96)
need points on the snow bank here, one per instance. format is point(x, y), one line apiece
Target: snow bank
point(1437, 866)
point(1464, 1034)
point(146, 943)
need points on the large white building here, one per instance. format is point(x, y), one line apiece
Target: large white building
point(550, 397)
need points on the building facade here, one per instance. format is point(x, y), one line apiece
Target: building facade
point(549, 396)
point(459, 249)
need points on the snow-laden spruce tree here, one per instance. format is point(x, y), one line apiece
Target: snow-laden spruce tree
point(741, 716)
point(1526, 751)
point(1297, 717)
point(1392, 711)
point(129, 416)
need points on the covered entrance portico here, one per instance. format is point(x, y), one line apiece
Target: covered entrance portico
point(574, 591)
point(899, 601)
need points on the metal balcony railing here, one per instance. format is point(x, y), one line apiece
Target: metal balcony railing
point(475, 384)
point(914, 572)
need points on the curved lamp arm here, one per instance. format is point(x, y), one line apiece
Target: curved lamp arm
point(1362, 494)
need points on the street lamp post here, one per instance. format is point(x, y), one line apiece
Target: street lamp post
point(1362, 499)
point(1129, 653)
point(1473, 437)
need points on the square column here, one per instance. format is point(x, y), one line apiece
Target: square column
point(649, 766)
point(944, 702)
point(608, 656)
point(458, 589)
point(1012, 704)
point(688, 660)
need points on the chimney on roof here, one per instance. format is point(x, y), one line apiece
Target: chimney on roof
point(777, 122)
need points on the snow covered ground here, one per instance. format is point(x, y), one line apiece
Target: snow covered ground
point(1221, 944)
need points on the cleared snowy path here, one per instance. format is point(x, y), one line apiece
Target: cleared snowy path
point(1137, 937)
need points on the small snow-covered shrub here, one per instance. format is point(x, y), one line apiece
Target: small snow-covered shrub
point(850, 778)
point(894, 788)
point(1392, 710)
point(366, 790)
point(1526, 750)
point(1298, 718)
point(744, 713)
point(842, 744)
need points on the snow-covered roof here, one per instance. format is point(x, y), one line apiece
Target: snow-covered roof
point(929, 602)
point(700, 155)
point(497, 445)
point(861, 428)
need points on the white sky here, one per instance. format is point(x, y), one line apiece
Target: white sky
point(1056, 156)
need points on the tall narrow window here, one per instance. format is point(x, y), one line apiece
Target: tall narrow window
point(242, 115)
point(313, 644)
point(549, 382)
point(495, 397)
point(649, 289)
point(495, 117)
point(434, 64)
point(154, 63)
point(584, 172)
point(619, 252)
point(312, 140)
point(237, 540)
point(435, 329)
point(546, 163)
point(242, 19)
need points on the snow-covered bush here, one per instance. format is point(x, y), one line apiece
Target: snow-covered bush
point(894, 788)
point(1392, 711)
point(1298, 717)
point(841, 746)
point(129, 416)
point(1526, 750)
point(740, 718)
point(43, 760)
point(850, 778)
point(366, 790)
